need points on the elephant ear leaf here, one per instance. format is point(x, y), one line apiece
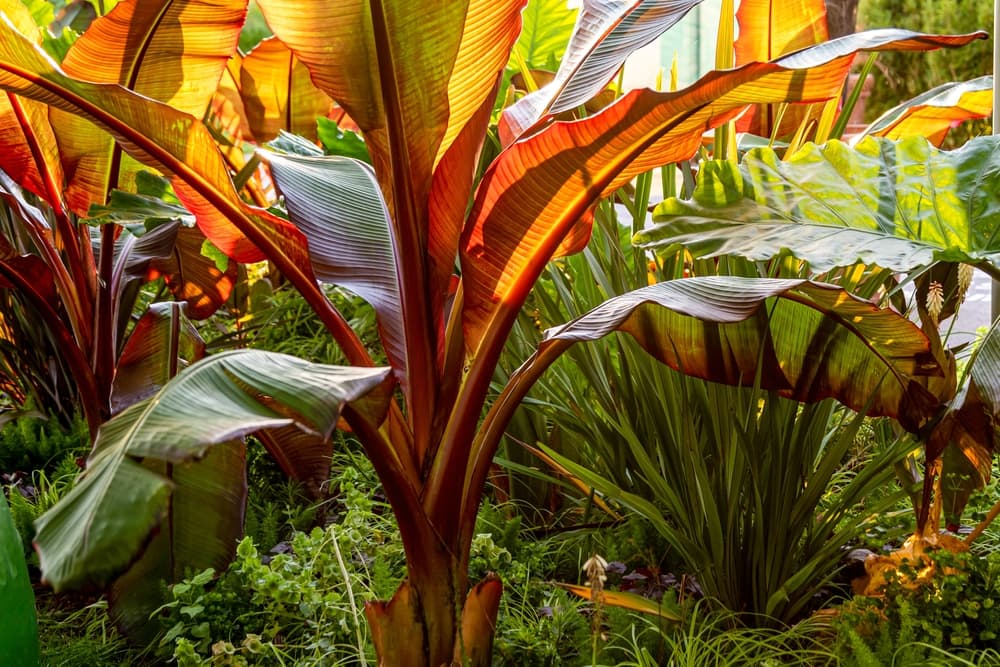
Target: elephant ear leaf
point(547, 26)
point(896, 204)
point(107, 520)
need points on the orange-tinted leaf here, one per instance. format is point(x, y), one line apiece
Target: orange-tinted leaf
point(358, 52)
point(163, 137)
point(173, 252)
point(173, 51)
point(581, 486)
point(28, 150)
point(278, 94)
point(938, 110)
point(303, 456)
point(479, 622)
point(630, 601)
point(227, 113)
point(158, 135)
point(412, 104)
point(491, 29)
point(537, 189)
point(769, 29)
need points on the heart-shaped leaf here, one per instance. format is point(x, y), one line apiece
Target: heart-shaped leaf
point(896, 204)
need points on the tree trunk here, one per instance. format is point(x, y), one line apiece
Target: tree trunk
point(841, 17)
point(419, 629)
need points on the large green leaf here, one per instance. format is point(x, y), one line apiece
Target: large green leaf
point(18, 624)
point(204, 514)
point(606, 33)
point(202, 524)
point(547, 27)
point(103, 524)
point(896, 204)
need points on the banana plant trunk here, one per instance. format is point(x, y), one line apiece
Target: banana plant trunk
point(430, 620)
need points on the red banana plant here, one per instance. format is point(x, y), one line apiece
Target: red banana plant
point(447, 259)
point(84, 292)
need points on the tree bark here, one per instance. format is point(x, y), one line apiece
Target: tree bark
point(841, 17)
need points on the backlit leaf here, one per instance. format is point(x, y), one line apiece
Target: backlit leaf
point(769, 29)
point(548, 25)
point(968, 430)
point(28, 150)
point(538, 188)
point(807, 341)
point(160, 136)
point(606, 33)
point(899, 205)
point(935, 112)
point(173, 51)
point(278, 94)
point(630, 601)
point(173, 252)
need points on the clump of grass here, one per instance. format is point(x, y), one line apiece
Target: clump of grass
point(72, 635)
point(715, 638)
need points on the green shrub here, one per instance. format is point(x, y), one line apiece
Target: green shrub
point(954, 613)
point(32, 495)
point(301, 605)
point(898, 76)
point(34, 443)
